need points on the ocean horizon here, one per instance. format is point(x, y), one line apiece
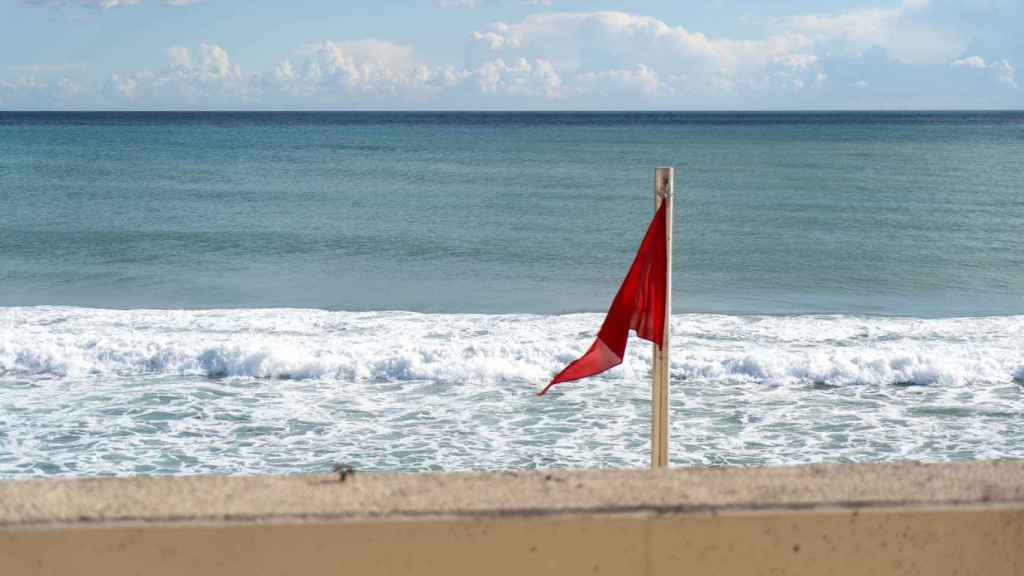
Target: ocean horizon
point(275, 292)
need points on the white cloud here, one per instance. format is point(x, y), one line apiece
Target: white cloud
point(210, 64)
point(125, 86)
point(602, 59)
point(894, 29)
point(333, 70)
point(609, 52)
point(179, 56)
point(521, 77)
point(638, 80)
point(973, 62)
point(1003, 71)
point(32, 91)
point(627, 51)
point(388, 73)
point(200, 76)
point(797, 62)
point(25, 83)
point(580, 41)
point(106, 4)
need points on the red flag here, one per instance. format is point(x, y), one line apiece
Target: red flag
point(639, 305)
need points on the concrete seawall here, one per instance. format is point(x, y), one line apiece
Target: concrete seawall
point(823, 519)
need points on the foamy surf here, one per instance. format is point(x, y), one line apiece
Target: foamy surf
point(527, 349)
point(88, 392)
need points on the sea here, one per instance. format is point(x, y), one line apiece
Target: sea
point(277, 293)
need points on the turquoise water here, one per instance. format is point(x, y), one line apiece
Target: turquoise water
point(905, 214)
point(272, 293)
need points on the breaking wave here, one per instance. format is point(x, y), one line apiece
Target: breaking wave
point(528, 349)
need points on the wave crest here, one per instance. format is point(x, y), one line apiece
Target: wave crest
point(464, 348)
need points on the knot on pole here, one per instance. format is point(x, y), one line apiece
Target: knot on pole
point(663, 182)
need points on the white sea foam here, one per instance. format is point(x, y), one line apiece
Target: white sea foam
point(85, 392)
point(399, 346)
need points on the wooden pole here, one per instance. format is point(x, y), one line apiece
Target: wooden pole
point(663, 187)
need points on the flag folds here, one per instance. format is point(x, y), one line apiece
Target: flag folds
point(639, 305)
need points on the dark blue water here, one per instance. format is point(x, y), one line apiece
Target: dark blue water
point(888, 213)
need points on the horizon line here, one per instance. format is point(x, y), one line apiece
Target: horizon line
point(508, 111)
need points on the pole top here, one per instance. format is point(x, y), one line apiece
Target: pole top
point(663, 181)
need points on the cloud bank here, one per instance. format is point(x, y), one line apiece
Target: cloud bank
point(895, 56)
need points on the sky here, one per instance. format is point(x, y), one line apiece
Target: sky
point(511, 54)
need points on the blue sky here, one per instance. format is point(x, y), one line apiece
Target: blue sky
point(511, 54)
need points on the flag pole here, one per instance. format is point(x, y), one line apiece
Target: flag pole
point(663, 188)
